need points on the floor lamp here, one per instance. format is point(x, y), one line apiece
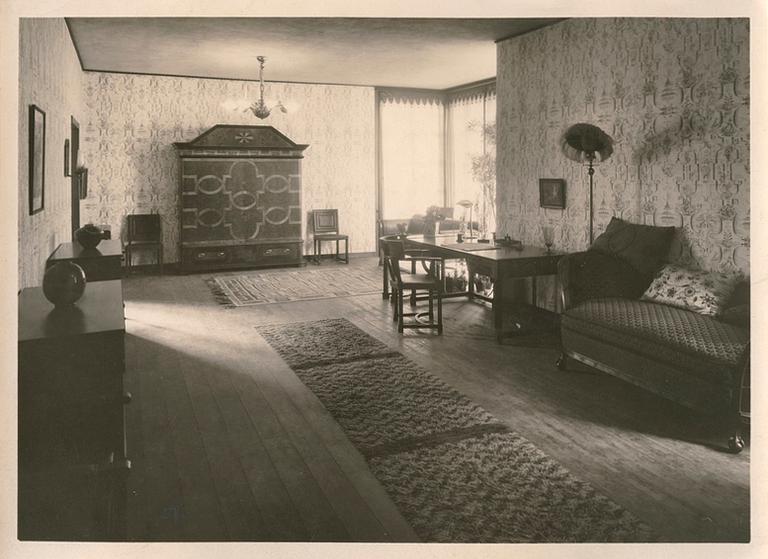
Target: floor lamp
point(467, 204)
point(586, 142)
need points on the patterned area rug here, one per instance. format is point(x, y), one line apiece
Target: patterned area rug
point(456, 473)
point(261, 287)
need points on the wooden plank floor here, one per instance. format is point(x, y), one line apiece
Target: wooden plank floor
point(228, 445)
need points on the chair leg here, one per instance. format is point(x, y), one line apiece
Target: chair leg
point(346, 251)
point(439, 313)
point(127, 261)
point(400, 311)
point(393, 302)
point(413, 291)
point(431, 307)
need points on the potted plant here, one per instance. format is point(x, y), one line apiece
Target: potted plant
point(484, 173)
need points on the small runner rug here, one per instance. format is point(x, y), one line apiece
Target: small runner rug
point(456, 473)
point(279, 286)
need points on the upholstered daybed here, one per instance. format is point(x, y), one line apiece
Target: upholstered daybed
point(617, 319)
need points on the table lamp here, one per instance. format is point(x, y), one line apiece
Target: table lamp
point(467, 204)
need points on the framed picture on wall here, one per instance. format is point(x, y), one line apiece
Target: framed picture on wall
point(552, 193)
point(36, 159)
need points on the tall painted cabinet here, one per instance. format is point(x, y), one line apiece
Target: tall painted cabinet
point(240, 197)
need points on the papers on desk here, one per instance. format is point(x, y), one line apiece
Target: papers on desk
point(472, 247)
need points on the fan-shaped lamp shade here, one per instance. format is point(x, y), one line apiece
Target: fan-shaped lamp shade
point(586, 142)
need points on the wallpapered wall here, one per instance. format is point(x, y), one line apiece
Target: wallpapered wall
point(132, 122)
point(674, 95)
point(50, 77)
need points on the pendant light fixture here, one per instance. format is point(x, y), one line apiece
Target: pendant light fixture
point(259, 108)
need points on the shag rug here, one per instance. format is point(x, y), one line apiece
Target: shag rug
point(303, 284)
point(456, 473)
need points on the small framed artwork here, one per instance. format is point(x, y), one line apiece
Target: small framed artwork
point(36, 159)
point(552, 193)
point(67, 171)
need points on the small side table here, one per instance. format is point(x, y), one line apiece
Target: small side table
point(101, 263)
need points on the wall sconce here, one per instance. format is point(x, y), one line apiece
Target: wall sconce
point(81, 176)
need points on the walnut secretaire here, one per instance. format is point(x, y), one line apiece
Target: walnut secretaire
point(240, 199)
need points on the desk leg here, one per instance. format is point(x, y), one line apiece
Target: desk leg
point(497, 306)
point(471, 285)
point(385, 281)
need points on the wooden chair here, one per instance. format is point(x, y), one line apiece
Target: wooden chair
point(325, 225)
point(432, 282)
point(144, 232)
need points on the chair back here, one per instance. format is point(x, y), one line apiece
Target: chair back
point(394, 250)
point(144, 228)
point(325, 221)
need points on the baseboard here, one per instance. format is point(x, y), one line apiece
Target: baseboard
point(172, 268)
point(169, 268)
point(352, 256)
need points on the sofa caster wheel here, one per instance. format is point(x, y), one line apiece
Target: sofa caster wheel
point(735, 444)
point(562, 362)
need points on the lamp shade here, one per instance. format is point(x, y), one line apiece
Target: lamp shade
point(586, 142)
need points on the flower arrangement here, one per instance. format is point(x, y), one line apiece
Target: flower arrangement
point(434, 213)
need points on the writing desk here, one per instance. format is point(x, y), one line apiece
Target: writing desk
point(495, 261)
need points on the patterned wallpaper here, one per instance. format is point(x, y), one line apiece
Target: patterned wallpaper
point(50, 77)
point(133, 120)
point(674, 95)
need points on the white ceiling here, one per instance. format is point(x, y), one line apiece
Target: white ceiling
point(404, 52)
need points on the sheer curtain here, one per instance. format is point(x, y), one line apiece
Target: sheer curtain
point(471, 147)
point(412, 129)
point(437, 149)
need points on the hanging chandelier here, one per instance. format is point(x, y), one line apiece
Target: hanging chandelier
point(259, 108)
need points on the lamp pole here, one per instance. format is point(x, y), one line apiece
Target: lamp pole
point(591, 172)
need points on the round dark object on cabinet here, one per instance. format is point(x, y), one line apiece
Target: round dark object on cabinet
point(89, 236)
point(63, 283)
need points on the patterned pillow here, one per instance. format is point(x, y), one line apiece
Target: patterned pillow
point(645, 247)
point(703, 292)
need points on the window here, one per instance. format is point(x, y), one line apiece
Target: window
point(411, 127)
point(437, 148)
point(471, 147)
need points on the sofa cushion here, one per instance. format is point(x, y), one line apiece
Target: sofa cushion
point(676, 336)
point(605, 275)
point(645, 247)
point(695, 290)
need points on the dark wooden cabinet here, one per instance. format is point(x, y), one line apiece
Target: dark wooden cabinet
point(240, 199)
point(101, 263)
point(72, 458)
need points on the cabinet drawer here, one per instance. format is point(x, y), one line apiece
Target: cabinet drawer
point(241, 256)
point(209, 256)
point(279, 251)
